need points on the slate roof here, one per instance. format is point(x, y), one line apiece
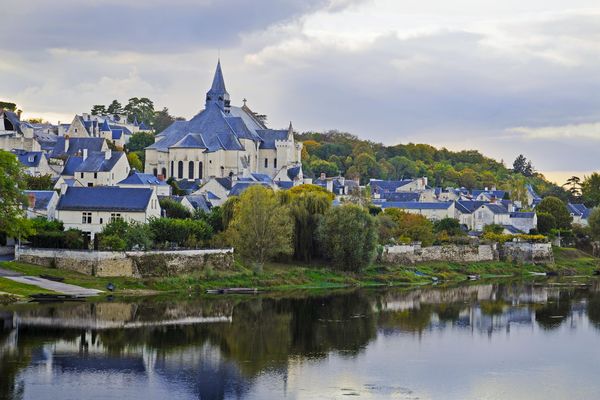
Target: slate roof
point(30, 159)
point(13, 118)
point(284, 184)
point(71, 165)
point(76, 145)
point(401, 196)
point(104, 198)
point(139, 178)
point(496, 208)
point(269, 136)
point(262, 178)
point(227, 182)
point(42, 198)
point(189, 186)
point(105, 127)
point(468, 206)
point(96, 162)
point(293, 172)
point(512, 229)
point(239, 187)
point(493, 193)
point(381, 186)
point(198, 202)
point(415, 205)
point(143, 127)
point(579, 210)
point(212, 196)
point(520, 214)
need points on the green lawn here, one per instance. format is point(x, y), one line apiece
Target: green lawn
point(19, 289)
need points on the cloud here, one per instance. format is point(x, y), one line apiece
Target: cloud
point(565, 132)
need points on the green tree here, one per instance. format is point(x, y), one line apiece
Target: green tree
point(114, 108)
point(388, 228)
point(139, 141)
point(545, 222)
point(174, 209)
point(522, 166)
point(135, 162)
point(558, 209)
point(320, 166)
point(8, 106)
point(573, 186)
point(162, 120)
point(139, 236)
point(468, 178)
point(99, 109)
point(307, 187)
point(518, 191)
point(140, 108)
point(307, 209)
point(348, 237)
point(594, 223)
point(12, 199)
point(449, 225)
point(261, 228)
point(42, 182)
point(590, 190)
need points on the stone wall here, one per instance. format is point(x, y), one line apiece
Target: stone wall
point(412, 254)
point(131, 263)
point(519, 252)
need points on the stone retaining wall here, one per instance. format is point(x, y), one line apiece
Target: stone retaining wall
point(519, 252)
point(130, 263)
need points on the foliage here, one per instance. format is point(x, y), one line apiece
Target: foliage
point(214, 218)
point(321, 166)
point(228, 211)
point(558, 209)
point(545, 222)
point(493, 228)
point(168, 231)
point(42, 182)
point(135, 162)
point(8, 106)
point(114, 108)
point(99, 109)
point(12, 199)
point(261, 228)
point(387, 228)
point(348, 237)
point(306, 187)
point(590, 190)
point(139, 141)
point(141, 109)
point(522, 166)
point(162, 120)
point(411, 227)
point(594, 223)
point(174, 209)
point(573, 186)
point(120, 235)
point(502, 238)
point(515, 185)
point(112, 242)
point(175, 187)
point(307, 208)
point(449, 225)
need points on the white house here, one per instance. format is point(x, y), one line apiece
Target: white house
point(41, 203)
point(105, 168)
point(489, 214)
point(523, 221)
point(91, 208)
point(580, 213)
point(35, 162)
point(432, 211)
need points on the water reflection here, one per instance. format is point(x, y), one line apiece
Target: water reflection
point(221, 348)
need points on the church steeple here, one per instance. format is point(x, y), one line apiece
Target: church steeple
point(217, 93)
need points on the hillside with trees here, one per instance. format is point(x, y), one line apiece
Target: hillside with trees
point(342, 153)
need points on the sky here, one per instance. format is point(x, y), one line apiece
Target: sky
point(503, 77)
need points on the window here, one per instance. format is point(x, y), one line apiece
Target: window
point(274, 163)
point(90, 184)
point(115, 216)
point(180, 169)
point(172, 169)
point(200, 170)
point(95, 175)
point(164, 173)
point(155, 172)
point(100, 221)
point(75, 130)
point(266, 163)
point(86, 218)
point(191, 170)
point(82, 175)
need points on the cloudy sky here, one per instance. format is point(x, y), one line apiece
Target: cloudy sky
point(505, 77)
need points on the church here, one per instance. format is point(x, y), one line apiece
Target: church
point(222, 141)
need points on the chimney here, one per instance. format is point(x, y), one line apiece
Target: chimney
point(108, 154)
point(66, 144)
point(63, 188)
point(323, 176)
point(85, 154)
point(31, 198)
point(245, 173)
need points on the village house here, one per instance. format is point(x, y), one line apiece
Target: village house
point(16, 135)
point(115, 128)
point(35, 162)
point(523, 221)
point(434, 211)
point(580, 213)
point(337, 185)
point(222, 140)
point(41, 203)
point(90, 209)
point(380, 188)
point(104, 168)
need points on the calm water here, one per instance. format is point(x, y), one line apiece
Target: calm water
point(485, 341)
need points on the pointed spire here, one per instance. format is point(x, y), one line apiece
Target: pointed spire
point(290, 131)
point(135, 121)
point(217, 93)
point(105, 127)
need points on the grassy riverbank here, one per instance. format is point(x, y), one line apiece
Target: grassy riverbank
point(285, 276)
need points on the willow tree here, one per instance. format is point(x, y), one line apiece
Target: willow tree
point(307, 209)
point(262, 227)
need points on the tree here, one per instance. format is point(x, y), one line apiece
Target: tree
point(307, 188)
point(135, 162)
point(555, 207)
point(411, 227)
point(467, 178)
point(162, 120)
point(348, 237)
point(114, 108)
point(42, 182)
point(320, 166)
point(573, 185)
point(545, 222)
point(139, 141)
point(12, 199)
point(307, 208)
point(449, 225)
point(387, 228)
point(493, 228)
point(518, 191)
point(594, 223)
point(174, 209)
point(99, 109)
point(8, 106)
point(522, 166)
point(261, 228)
point(140, 108)
point(590, 190)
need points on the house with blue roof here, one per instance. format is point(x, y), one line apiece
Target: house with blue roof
point(115, 128)
point(138, 179)
point(102, 168)
point(431, 210)
point(524, 221)
point(90, 209)
point(41, 203)
point(34, 162)
point(15, 134)
point(580, 213)
point(379, 187)
point(222, 140)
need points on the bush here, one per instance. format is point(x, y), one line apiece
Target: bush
point(493, 229)
point(174, 209)
point(545, 222)
point(413, 227)
point(112, 242)
point(449, 225)
point(502, 238)
point(177, 231)
point(139, 236)
point(348, 237)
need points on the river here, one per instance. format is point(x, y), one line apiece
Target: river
point(536, 340)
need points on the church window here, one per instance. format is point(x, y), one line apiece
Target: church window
point(274, 163)
point(191, 170)
point(200, 170)
point(180, 169)
point(172, 169)
point(266, 163)
point(164, 172)
point(155, 172)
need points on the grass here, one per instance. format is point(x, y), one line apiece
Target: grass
point(20, 289)
point(279, 276)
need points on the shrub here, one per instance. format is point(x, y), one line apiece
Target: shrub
point(174, 209)
point(112, 242)
point(449, 225)
point(558, 209)
point(545, 222)
point(177, 231)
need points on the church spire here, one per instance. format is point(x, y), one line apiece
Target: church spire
point(217, 93)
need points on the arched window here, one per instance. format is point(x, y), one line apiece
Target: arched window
point(191, 170)
point(172, 168)
point(155, 172)
point(222, 171)
point(180, 169)
point(200, 170)
point(266, 163)
point(164, 173)
point(275, 163)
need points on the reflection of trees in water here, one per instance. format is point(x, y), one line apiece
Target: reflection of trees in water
point(552, 314)
point(593, 309)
